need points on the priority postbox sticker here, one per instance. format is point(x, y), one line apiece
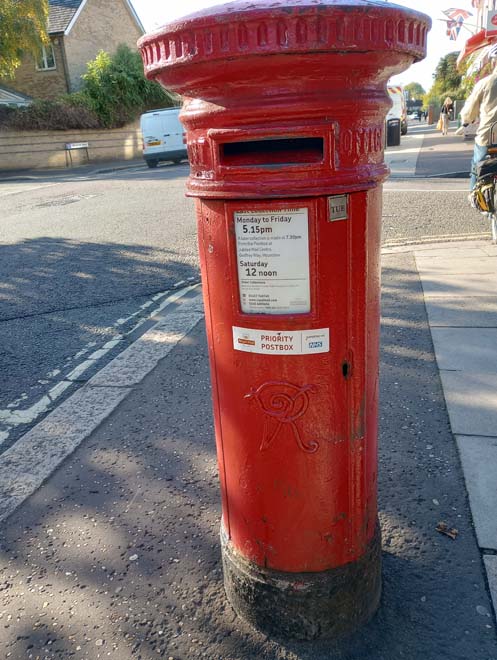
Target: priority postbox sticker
point(281, 342)
point(272, 250)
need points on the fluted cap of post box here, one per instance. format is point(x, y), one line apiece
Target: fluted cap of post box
point(250, 28)
point(262, 80)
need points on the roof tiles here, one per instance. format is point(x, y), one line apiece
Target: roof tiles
point(61, 14)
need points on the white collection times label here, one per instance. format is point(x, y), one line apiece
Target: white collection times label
point(272, 249)
point(281, 342)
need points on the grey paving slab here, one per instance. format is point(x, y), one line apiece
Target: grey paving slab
point(26, 465)
point(454, 284)
point(491, 568)
point(479, 463)
point(133, 364)
point(466, 349)
point(442, 265)
point(471, 400)
point(471, 311)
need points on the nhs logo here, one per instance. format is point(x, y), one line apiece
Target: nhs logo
point(316, 341)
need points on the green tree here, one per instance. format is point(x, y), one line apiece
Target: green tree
point(446, 73)
point(23, 29)
point(447, 81)
point(116, 90)
point(415, 91)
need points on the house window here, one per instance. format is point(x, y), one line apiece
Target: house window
point(46, 60)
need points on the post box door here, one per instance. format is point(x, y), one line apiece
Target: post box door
point(296, 428)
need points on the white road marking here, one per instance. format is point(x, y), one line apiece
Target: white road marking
point(22, 186)
point(431, 244)
point(80, 369)
point(398, 242)
point(12, 416)
point(58, 389)
point(96, 355)
point(16, 417)
point(26, 190)
point(33, 458)
point(145, 305)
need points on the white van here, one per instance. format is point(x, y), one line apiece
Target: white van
point(163, 136)
point(399, 107)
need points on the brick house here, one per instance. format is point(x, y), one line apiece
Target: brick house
point(78, 30)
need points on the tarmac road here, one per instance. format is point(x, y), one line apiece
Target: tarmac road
point(82, 260)
point(426, 196)
point(429, 210)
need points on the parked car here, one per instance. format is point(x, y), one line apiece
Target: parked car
point(163, 136)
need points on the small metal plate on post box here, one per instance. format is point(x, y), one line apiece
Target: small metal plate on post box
point(338, 208)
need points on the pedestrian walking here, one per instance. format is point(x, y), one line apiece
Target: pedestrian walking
point(445, 115)
point(482, 104)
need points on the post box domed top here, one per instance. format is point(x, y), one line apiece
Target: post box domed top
point(246, 28)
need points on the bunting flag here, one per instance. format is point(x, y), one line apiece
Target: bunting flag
point(453, 29)
point(456, 19)
point(456, 14)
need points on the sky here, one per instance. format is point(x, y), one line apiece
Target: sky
point(155, 13)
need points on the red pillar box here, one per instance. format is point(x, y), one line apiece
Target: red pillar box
point(284, 109)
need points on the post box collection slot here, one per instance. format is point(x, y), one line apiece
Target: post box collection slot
point(272, 152)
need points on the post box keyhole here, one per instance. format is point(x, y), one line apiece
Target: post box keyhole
point(346, 370)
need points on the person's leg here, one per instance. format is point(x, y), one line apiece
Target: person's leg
point(479, 153)
point(445, 124)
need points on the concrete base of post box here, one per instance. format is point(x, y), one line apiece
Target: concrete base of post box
point(304, 606)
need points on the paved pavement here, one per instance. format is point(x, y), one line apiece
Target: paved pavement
point(459, 285)
point(460, 294)
point(110, 506)
point(425, 152)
